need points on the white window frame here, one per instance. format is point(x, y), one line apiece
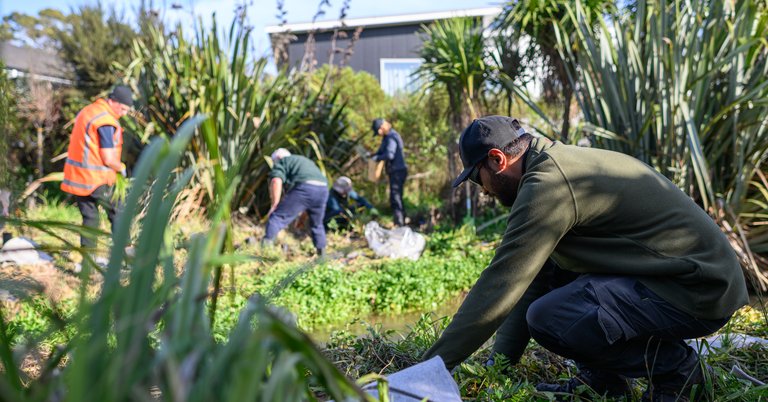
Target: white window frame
point(391, 60)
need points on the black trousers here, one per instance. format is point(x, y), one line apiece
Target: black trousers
point(396, 184)
point(616, 325)
point(89, 209)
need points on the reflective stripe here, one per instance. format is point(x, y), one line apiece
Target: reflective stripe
point(86, 138)
point(89, 167)
point(78, 185)
point(316, 183)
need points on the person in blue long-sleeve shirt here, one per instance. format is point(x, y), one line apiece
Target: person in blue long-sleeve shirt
point(391, 151)
point(343, 203)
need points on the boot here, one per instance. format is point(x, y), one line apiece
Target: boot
point(679, 387)
point(589, 382)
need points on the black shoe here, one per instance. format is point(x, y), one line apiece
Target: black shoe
point(590, 382)
point(678, 388)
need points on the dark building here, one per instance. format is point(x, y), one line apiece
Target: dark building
point(387, 47)
point(20, 62)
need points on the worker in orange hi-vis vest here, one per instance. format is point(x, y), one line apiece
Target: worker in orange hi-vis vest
point(93, 158)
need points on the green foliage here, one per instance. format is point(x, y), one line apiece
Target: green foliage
point(670, 87)
point(333, 293)
point(534, 21)
point(454, 54)
point(7, 127)
point(146, 333)
point(34, 31)
point(251, 113)
point(90, 38)
point(358, 90)
point(93, 39)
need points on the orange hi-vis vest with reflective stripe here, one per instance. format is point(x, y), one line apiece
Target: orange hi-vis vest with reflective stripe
point(84, 171)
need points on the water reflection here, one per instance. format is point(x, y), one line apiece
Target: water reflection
point(396, 322)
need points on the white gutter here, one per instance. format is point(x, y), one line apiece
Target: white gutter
point(383, 21)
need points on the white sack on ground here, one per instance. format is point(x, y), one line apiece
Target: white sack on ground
point(429, 379)
point(396, 243)
point(23, 251)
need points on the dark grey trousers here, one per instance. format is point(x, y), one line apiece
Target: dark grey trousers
point(396, 184)
point(615, 324)
point(89, 209)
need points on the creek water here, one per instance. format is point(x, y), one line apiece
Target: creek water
point(400, 323)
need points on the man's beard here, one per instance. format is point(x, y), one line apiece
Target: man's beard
point(504, 189)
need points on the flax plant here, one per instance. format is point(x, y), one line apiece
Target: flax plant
point(250, 113)
point(147, 335)
point(682, 86)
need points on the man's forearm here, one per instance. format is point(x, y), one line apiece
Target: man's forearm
point(275, 191)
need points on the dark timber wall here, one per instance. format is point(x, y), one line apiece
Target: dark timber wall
point(400, 41)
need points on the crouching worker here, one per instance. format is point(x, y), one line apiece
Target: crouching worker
point(654, 269)
point(338, 209)
point(307, 190)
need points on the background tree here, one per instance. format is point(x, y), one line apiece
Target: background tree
point(8, 124)
point(454, 54)
point(94, 41)
point(40, 107)
point(38, 31)
point(532, 21)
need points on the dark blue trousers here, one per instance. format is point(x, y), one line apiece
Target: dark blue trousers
point(616, 325)
point(303, 197)
point(396, 184)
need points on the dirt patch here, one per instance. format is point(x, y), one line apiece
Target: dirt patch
point(24, 281)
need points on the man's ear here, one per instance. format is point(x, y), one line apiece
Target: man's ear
point(497, 160)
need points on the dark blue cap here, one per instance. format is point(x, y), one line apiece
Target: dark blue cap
point(481, 136)
point(376, 125)
point(122, 94)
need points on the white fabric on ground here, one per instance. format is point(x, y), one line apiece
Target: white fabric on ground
point(23, 251)
point(429, 379)
point(719, 341)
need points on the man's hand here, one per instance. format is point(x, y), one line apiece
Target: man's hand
point(271, 210)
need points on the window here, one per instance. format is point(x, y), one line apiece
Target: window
point(396, 75)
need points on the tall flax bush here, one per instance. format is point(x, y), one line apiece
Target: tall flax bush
point(683, 86)
point(146, 334)
point(250, 112)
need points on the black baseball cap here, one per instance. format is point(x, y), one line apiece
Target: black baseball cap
point(376, 125)
point(481, 136)
point(122, 94)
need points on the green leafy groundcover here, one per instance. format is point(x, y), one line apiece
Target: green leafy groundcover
point(335, 293)
point(331, 293)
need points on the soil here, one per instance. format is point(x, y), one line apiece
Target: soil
point(21, 282)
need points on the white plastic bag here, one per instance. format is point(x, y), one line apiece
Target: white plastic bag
point(396, 243)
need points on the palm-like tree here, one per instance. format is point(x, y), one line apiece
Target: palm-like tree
point(454, 54)
point(535, 19)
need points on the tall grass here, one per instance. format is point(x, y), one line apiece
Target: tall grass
point(683, 87)
point(251, 113)
point(147, 334)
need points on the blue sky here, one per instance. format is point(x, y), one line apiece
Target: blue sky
point(262, 13)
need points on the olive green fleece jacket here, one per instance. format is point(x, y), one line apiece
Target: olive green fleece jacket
point(296, 169)
point(600, 212)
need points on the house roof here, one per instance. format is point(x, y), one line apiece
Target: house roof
point(28, 60)
point(389, 20)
